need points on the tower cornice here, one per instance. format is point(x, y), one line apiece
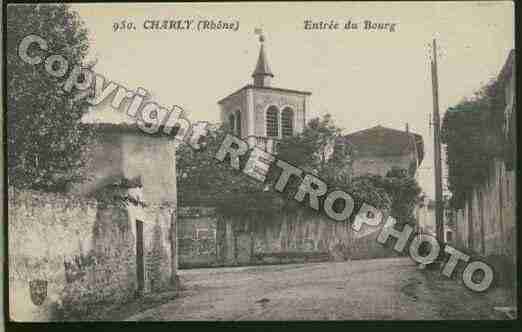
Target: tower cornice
point(267, 88)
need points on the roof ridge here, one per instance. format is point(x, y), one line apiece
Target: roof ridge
point(378, 127)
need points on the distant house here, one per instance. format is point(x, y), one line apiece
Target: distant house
point(425, 216)
point(378, 149)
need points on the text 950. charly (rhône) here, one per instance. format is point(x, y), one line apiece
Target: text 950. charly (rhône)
point(177, 24)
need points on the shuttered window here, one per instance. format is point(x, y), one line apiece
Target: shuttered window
point(231, 122)
point(287, 122)
point(272, 122)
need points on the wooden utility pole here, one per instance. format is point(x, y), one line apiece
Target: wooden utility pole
point(439, 206)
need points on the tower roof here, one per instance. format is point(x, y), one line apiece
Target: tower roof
point(262, 67)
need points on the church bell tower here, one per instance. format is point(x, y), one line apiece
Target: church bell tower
point(262, 114)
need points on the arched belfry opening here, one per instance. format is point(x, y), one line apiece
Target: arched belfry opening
point(287, 122)
point(232, 123)
point(272, 122)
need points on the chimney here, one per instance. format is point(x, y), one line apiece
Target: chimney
point(407, 128)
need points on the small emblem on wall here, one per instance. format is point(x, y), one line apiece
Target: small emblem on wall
point(38, 290)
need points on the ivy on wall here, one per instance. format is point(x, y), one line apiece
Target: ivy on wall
point(472, 132)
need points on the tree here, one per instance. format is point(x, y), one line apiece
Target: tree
point(45, 139)
point(202, 179)
point(320, 149)
point(313, 148)
point(402, 192)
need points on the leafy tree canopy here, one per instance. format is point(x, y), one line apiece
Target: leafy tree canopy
point(44, 137)
point(402, 191)
point(202, 179)
point(472, 132)
point(312, 149)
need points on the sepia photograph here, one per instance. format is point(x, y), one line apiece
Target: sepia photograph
point(259, 161)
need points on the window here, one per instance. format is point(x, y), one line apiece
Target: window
point(287, 122)
point(231, 122)
point(272, 122)
point(238, 123)
point(449, 236)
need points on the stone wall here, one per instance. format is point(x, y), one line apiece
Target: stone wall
point(70, 256)
point(285, 238)
point(196, 237)
point(487, 223)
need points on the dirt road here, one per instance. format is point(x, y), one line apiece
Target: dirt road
point(377, 289)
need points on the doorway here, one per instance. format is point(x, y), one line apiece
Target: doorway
point(140, 267)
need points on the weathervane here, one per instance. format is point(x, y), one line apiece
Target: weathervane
point(259, 31)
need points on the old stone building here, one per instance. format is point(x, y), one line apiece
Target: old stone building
point(263, 114)
point(109, 239)
point(140, 169)
point(378, 149)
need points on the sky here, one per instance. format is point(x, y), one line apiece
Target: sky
point(363, 78)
